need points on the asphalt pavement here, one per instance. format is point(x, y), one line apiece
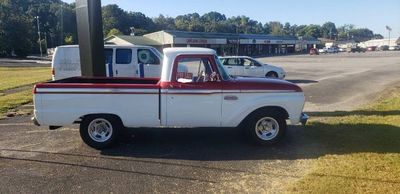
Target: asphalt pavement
point(36, 160)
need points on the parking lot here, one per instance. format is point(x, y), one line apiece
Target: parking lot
point(35, 160)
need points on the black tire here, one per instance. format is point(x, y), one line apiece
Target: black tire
point(255, 118)
point(109, 121)
point(272, 74)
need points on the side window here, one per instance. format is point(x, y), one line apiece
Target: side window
point(256, 63)
point(146, 56)
point(194, 70)
point(124, 56)
point(247, 62)
point(108, 53)
point(232, 62)
point(223, 61)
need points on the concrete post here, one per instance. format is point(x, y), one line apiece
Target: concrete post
point(90, 37)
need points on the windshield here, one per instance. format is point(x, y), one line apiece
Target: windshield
point(157, 53)
point(221, 69)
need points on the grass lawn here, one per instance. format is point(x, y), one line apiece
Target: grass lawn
point(363, 150)
point(14, 77)
point(14, 100)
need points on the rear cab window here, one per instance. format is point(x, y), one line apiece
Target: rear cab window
point(193, 69)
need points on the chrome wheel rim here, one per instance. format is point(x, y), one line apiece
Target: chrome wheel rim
point(100, 130)
point(267, 128)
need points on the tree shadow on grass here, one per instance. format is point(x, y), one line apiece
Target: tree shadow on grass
point(357, 112)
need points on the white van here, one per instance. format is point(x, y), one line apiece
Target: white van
point(121, 61)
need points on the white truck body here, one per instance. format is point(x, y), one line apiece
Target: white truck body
point(208, 101)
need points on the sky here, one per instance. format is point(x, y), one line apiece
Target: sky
point(373, 14)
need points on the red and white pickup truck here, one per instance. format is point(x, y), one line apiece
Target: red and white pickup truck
point(194, 92)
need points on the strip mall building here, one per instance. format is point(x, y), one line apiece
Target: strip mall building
point(223, 43)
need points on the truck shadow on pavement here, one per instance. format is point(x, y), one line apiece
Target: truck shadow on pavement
point(310, 142)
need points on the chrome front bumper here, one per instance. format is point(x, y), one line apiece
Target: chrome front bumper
point(304, 118)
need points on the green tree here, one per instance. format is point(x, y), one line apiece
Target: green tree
point(276, 28)
point(115, 17)
point(69, 40)
point(313, 30)
point(329, 30)
point(267, 28)
point(213, 21)
point(164, 23)
point(114, 32)
point(286, 29)
point(15, 28)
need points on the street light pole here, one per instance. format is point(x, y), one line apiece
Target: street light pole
point(389, 30)
point(39, 41)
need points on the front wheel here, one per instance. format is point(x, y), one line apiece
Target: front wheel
point(271, 74)
point(100, 131)
point(266, 128)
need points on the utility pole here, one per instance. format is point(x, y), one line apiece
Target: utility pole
point(45, 40)
point(90, 35)
point(389, 30)
point(39, 40)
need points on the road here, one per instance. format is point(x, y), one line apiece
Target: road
point(4, 62)
point(35, 160)
point(341, 81)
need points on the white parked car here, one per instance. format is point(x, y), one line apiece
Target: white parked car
point(394, 48)
point(332, 50)
point(121, 61)
point(322, 51)
point(249, 67)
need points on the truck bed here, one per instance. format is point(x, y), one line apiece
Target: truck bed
point(106, 80)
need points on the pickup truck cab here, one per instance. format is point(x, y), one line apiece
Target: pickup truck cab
point(194, 91)
point(120, 61)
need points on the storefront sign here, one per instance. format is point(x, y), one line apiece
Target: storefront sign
point(195, 41)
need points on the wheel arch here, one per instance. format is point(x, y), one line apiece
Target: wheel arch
point(280, 110)
point(99, 115)
point(272, 72)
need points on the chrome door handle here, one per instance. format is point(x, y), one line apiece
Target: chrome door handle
point(231, 98)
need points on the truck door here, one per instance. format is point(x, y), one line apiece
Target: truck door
point(124, 66)
point(150, 63)
point(193, 97)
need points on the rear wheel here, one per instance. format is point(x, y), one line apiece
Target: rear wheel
point(272, 74)
point(100, 131)
point(266, 128)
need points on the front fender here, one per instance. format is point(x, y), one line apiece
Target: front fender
point(233, 113)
